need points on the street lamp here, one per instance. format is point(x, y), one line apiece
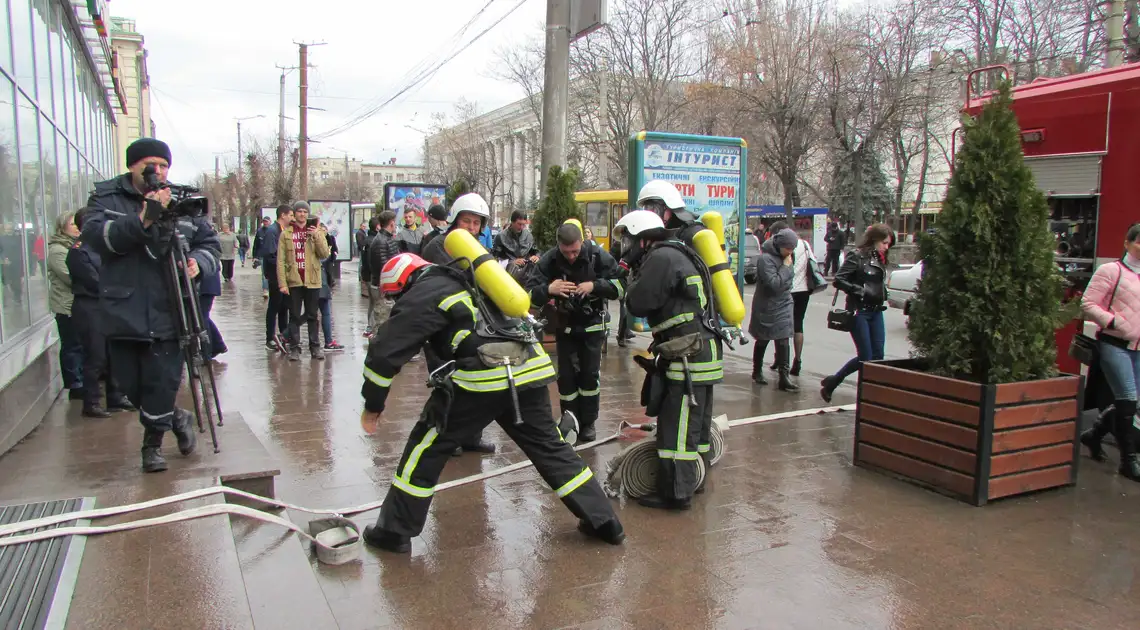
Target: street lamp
point(239, 138)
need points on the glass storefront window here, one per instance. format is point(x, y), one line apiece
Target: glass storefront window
point(51, 175)
point(5, 52)
point(13, 303)
point(77, 191)
point(57, 63)
point(66, 70)
point(31, 230)
point(40, 16)
point(20, 12)
point(73, 94)
point(62, 153)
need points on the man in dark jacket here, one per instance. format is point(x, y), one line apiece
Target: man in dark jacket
point(83, 265)
point(516, 243)
point(142, 323)
point(437, 217)
point(836, 239)
point(277, 310)
point(580, 277)
point(382, 248)
point(365, 265)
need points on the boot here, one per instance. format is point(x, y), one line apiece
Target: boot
point(795, 371)
point(758, 378)
point(785, 384)
point(611, 531)
point(782, 352)
point(119, 403)
point(183, 428)
point(758, 362)
point(152, 459)
point(386, 540)
point(479, 447)
point(94, 411)
point(1092, 437)
point(827, 388)
point(317, 353)
point(295, 353)
point(587, 434)
point(1125, 439)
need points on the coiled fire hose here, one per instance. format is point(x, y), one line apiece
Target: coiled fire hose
point(336, 539)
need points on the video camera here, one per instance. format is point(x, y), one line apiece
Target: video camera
point(184, 200)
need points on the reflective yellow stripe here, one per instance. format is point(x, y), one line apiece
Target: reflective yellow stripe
point(696, 377)
point(376, 378)
point(458, 338)
point(501, 372)
point(595, 327)
point(676, 320)
point(681, 456)
point(501, 384)
point(590, 392)
point(683, 429)
point(414, 490)
point(620, 289)
point(462, 297)
point(575, 483)
point(703, 448)
point(696, 280)
point(568, 397)
point(414, 458)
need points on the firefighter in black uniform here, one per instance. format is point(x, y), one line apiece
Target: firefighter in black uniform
point(83, 265)
point(440, 305)
point(137, 298)
point(580, 277)
point(663, 199)
point(468, 212)
point(672, 290)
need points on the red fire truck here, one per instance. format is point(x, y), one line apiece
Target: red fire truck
point(1081, 138)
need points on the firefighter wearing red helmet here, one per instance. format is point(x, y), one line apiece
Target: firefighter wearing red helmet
point(441, 306)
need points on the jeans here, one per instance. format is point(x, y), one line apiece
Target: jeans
point(277, 310)
point(303, 309)
point(1121, 369)
point(241, 255)
point(70, 352)
point(870, 337)
point(325, 306)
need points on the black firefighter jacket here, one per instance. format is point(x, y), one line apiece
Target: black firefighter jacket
point(592, 265)
point(671, 295)
point(438, 309)
point(134, 286)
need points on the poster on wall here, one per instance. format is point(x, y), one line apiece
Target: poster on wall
point(336, 215)
point(709, 171)
point(415, 198)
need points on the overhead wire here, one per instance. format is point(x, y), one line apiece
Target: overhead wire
point(420, 79)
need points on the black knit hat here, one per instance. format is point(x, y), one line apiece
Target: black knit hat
point(147, 147)
point(437, 212)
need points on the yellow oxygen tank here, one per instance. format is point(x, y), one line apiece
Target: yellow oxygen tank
point(714, 221)
point(504, 291)
point(728, 300)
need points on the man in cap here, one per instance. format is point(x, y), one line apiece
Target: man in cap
point(437, 218)
point(128, 226)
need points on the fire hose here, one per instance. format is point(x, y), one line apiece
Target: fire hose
point(334, 537)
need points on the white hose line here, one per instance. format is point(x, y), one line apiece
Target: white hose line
point(789, 414)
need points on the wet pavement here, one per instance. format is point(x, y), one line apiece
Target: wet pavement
point(789, 534)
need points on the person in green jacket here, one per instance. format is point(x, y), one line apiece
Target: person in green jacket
point(59, 299)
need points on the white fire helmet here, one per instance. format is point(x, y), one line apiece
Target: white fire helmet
point(661, 191)
point(471, 202)
point(639, 222)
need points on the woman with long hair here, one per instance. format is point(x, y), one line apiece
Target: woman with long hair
point(863, 277)
point(1112, 300)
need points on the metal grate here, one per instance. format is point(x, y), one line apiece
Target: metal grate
point(37, 579)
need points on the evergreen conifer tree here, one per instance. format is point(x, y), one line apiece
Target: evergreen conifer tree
point(457, 189)
point(556, 206)
point(989, 299)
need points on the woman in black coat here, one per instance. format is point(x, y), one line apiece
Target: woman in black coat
point(772, 318)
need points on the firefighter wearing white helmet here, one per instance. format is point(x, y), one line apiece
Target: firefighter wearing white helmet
point(672, 290)
point(468, 212)
point(663, 199)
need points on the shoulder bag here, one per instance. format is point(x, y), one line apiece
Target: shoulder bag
point(840, 319)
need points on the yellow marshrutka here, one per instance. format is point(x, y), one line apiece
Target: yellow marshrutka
point(728, 300)
point(504, 291)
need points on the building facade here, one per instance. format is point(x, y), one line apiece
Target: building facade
point(58, 101)
point(128, 58)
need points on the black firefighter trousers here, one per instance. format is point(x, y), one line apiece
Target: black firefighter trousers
point(406, 506)
point(149, 373)
point(683, 434)
point(579, 378)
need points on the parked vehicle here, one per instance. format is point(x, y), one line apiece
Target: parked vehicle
point(902, 284)
point(751, 256)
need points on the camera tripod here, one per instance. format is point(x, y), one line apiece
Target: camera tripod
point(192, 335)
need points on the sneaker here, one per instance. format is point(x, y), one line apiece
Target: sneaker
point(316, 353)
point(294, 354)
point(332, 346)
point(270, 345)
point(367, 335)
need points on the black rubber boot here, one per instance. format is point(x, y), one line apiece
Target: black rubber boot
point(785, 384)
point(587, 433)
point(758, 362)
point(94, 411)
point(152, 459)
point(782, 352)
point(611, 531)
point(386, 540)
point(183, 428)
point(1126, 439)
point(119, 403)
point(1093, 436)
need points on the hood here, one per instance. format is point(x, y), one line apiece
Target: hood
point(61, 239)
point(769, 247)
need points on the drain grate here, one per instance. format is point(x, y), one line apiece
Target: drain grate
point(37, 579)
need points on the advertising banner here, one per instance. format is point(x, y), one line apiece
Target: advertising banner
point(336, 215)
point(709, 171)
point(416, 198)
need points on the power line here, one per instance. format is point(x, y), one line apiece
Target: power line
point(168, 85)
point(423, 77)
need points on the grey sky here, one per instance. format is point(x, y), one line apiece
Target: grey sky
point(211, 61)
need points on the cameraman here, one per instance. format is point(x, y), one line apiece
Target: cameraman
point(129, 229)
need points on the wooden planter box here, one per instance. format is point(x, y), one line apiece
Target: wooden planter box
point(974, 442)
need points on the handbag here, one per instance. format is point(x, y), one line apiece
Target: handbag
point(840, 319)
point(1083, 348)
point(815, 281)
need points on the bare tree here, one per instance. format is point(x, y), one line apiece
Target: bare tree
point(522, 64)
point(463, 146)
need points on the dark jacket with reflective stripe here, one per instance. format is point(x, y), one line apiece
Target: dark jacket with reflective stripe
point(592, 265)
point(439, 310)
point(134, 285)
point(670, 294)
